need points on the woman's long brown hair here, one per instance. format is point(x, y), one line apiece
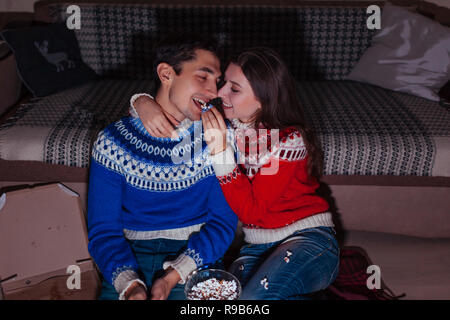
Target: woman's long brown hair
point(275, 89)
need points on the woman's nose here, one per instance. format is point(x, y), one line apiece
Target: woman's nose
point(221, 92)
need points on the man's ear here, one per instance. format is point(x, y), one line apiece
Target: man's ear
point(165, 73)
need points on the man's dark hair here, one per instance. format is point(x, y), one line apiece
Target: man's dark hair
point(179, 48)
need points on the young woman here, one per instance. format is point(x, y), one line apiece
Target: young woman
point(290, 248)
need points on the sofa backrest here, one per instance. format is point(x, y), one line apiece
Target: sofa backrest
point(317, 42)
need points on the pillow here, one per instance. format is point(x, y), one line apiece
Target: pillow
point(410, 53)
point(48, 58)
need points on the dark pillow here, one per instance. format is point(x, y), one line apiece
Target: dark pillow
point(48, 58)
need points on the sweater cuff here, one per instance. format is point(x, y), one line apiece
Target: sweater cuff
point(124, 280)
point(132, 110)
point(184, 265)
point(224, 162)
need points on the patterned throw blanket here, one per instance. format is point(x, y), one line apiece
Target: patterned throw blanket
point(363, 129)
point(65, 124)
point(368, 130)
point(316, 42)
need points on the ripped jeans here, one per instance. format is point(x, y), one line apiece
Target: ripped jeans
point(305, 262)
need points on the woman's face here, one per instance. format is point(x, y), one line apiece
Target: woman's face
point(237, 95)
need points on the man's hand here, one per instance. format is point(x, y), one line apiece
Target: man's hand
point(136, 292)
point(153, 118)
point(161, 287)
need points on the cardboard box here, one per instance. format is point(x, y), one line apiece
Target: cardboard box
point(43, 246)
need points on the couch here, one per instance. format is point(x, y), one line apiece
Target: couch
point(386, 174)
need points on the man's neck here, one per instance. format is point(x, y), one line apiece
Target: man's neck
point(175, 117)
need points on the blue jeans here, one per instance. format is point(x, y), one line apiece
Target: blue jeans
point(289, 269)
point(150, 255)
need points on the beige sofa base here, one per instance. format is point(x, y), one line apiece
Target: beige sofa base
point(419, 211)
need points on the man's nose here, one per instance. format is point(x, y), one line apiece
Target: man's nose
point(211, 91)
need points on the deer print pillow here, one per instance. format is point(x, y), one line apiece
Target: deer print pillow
point(48, 58)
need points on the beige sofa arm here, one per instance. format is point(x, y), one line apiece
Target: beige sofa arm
point(9, 78)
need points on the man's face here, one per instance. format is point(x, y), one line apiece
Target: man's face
point(197, 80)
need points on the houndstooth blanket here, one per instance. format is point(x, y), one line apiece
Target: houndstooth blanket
point(316, 42)
point(363, 129)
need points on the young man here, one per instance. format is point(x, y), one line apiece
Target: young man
point(154, 218)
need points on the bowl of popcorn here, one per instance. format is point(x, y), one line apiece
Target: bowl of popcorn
point(212, 284)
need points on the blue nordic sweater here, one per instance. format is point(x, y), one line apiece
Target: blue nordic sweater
point(142, 187)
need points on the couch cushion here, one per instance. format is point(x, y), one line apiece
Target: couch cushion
point(416, 266)
point(411, 53)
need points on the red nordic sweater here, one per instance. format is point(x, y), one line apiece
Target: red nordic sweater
point(268, 189)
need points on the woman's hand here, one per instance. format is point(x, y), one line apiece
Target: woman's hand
point(153, 118)
point(215, 130)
